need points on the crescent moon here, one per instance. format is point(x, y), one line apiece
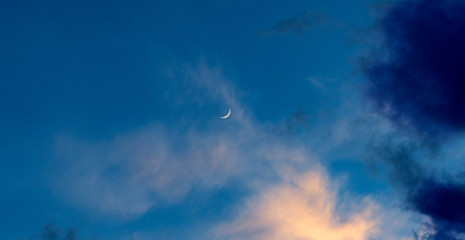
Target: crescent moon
point(227, 115)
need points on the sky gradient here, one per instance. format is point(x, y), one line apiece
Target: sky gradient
point(347, 120)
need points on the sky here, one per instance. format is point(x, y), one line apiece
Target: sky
point(347, 120)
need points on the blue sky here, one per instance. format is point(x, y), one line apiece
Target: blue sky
point(111, 125)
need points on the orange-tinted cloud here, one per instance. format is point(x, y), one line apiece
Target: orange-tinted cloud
point(302, 207)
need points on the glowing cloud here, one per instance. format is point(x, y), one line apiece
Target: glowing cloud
point(302, 207)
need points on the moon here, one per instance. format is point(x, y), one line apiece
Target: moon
point(227, 115)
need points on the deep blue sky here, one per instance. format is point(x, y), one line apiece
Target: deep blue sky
point(109, 115)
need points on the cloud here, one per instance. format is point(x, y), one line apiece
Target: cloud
point(442, 202)
point(161, 163)
point(397, 155)
point(292, 123)
point(434, 194)
point(298, 24)
point(53, 232)
point(416, 79)
point(302, 206)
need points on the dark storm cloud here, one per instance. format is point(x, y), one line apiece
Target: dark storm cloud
point(298, 24)
point(53, 232)
point(417, 79)
point(436, 195)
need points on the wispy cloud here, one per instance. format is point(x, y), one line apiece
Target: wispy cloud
point(297, 24)
point(159, 164)
point(293, 123)
point(53, 232)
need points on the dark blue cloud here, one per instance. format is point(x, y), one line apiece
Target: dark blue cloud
point(439, 197)
point(418, 81)
point(444, 203)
